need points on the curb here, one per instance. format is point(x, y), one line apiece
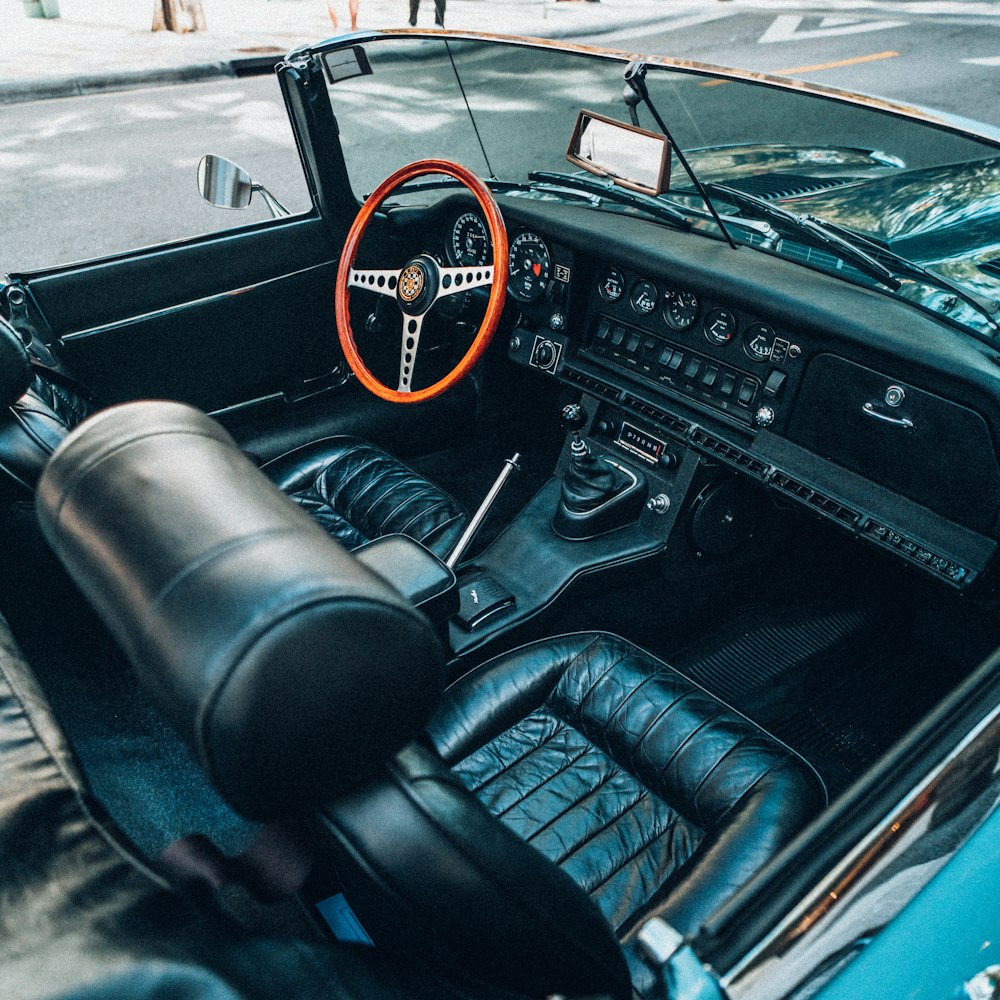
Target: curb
point(46, 88)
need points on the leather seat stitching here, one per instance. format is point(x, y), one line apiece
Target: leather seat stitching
point(333, 497)
point(633, 855)
point(592, 834)
point(555, 774)
point(407, 499)
point(511, 764)
point(581, 698)
point(426, 512)
point(652, 725)
point(439, 528)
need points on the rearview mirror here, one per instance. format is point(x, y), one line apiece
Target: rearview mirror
point(222, 183)
point(631, 157)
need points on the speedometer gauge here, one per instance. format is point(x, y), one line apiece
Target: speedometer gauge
point(530, 266)
point(470, 242)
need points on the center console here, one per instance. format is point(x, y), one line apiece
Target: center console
point(537, 558)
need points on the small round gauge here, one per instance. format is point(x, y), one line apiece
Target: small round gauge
point(470, 242)
point(757, 341)
point(680, 309)
point(612, 285)
point(644, 297)
point(720, 326)
point(530, 264)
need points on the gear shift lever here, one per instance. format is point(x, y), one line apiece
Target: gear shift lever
point(588, 481)
point(592, 487)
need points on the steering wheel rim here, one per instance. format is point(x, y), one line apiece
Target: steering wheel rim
point(400, 283)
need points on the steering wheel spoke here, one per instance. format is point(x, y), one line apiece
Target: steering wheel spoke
point(453, 280)
point(408, 350)
point(381, 280)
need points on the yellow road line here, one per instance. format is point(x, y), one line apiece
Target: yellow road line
point(873, 57)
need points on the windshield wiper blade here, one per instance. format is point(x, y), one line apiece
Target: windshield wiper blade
point(911, 269)
point(806, 225)
point(612, 192)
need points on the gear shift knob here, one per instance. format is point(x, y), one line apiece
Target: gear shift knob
point(573, 417)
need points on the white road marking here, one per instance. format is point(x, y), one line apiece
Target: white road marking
point(656, 27)
point(976, 8)
point(985, 61)
point(785, 28)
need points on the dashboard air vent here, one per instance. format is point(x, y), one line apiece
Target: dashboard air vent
point(730, 454)
point(662, 417)
point(594, 386)
point(818, 501)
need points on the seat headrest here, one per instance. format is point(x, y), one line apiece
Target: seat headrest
point(291, 669)
point(15, 368)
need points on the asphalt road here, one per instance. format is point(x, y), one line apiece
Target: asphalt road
point(86, 176)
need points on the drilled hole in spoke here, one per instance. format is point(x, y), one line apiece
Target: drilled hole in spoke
point(479, 275)
point(446, 281)
point(408, 358)
point(392, 282)
point(409, 343)
point(381, 280)
point(411, 327)
point(458, 279)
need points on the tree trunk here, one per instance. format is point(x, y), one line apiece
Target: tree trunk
point(178, 15)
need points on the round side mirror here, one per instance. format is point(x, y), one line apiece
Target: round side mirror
point(222, 183)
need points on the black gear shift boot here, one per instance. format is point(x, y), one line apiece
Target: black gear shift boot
point(589, 482)
point(597, 496)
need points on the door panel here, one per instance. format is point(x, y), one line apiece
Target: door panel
point(215, 322)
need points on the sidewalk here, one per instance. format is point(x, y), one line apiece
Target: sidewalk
point(108, 45)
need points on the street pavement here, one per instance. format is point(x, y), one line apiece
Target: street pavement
point(98, 45)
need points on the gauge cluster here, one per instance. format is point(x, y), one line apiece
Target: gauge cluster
point(539, 274)
point(684, 342)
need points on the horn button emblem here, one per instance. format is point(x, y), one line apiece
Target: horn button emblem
point(411, 283)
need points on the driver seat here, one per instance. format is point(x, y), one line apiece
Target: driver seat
point(351, 487)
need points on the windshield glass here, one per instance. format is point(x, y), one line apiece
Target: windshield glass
point(920, 192)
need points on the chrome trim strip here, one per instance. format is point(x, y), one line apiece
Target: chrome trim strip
point(123, 324)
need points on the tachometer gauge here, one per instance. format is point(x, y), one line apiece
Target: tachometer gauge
point(680, 309)
point(757, 341)
point(612, 285)
point(470, 242)
point(530, 265)
point(720, 326)
point(644, 297)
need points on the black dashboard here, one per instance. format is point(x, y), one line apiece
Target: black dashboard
point(842, 400)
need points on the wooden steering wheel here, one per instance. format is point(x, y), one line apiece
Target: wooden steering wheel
point(419, 284)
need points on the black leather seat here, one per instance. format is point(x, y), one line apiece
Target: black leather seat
point(359, 492)
point(560, 794)
point(355, 490)
point(650, 793)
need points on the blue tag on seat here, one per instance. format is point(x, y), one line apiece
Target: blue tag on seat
point(336, 911)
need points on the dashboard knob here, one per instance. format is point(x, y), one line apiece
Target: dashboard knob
point(659, 504)
point(557, 321)
point(667, 460)
point(545, 354)
point(515, 344)
point(764, 416)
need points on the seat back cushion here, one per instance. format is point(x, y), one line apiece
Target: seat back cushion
point(653, 795)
